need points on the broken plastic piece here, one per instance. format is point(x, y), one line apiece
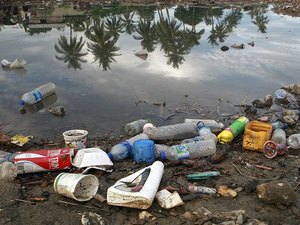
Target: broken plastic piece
point(20, 140)
point(168, 200)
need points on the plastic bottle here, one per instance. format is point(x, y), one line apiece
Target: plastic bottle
point(212, 124)
point(189, 150)
point(205, 132)
point(191, 140)
point(124, 149)
point(233, 130)
point(135, 127)
point(8, 171)
point(279, 125)
point(293, 141)
point(279, 136)
point(171, 132)
point(143, 151)
point(38, 94)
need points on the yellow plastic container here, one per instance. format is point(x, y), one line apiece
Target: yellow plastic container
point(256, 134)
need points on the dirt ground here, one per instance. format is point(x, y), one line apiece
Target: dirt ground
point(19, 203)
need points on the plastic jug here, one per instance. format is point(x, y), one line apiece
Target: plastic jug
point(256, 134)
point(143, 151)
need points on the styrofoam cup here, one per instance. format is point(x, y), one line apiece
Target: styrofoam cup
point(75, 139)
point(80, 187)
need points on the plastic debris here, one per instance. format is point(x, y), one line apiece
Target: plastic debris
point(143, 54)
point(238, 46)
point(20, 140)
point(203, 175)
point(251, 43)
point(18, 63)
point(94, 158)
point(168, 200)
point(137, 190)
point(226, 191)
point(57, 111)
point(224, 48)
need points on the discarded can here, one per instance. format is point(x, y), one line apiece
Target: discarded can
point(42, 160)
point(203, 175)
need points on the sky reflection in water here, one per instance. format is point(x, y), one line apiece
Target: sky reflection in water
point(185, 73)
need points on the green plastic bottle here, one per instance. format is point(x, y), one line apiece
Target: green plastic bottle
point(233, 130)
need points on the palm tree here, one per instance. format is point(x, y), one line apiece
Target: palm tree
point(147, 34)
point(258, 18)
point(114, 25)
point(70, 52)
point(128, 23)
point(172, 40)
point(102, 45)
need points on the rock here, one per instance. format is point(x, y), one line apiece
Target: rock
point(251, 43)
point(251, 186)
point(144, 215)
point(90, 218)
point(224, 48)
point(188, 215)
point(276, 192)
point(240, 219)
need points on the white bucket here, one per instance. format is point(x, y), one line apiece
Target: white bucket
point(76, 139)
point(77, 186)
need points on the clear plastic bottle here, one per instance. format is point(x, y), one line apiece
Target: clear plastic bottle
point(191, 140)
point(124, 149)
point(171, 132)
point(212, 124)
point(233, 130)
point(279, 125)
point(189, 150)
point(8, 171)
point(279, 136)
point(205, 132)
point(293, 141)
point(38, 94)
point(135, 127)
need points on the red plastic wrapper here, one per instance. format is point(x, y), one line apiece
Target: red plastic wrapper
point(43, 160)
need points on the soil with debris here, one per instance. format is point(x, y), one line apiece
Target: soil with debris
point(31, 199)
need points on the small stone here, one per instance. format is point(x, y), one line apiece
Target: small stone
point(276, 193)
point(188, 215)
point(224, 48)
point(144, 215)
point(240, 219)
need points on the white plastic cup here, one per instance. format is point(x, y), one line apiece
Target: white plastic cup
point(80, 187)
point(76, 139)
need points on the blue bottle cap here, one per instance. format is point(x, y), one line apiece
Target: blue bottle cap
point(200, 125)
point(110, 156)
point(285, 125)
point(21, 102)
point(163, 156)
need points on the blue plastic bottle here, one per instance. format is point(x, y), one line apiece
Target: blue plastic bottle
point(143, 151)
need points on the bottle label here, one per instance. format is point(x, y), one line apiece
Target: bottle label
point(37, 95)
point(182, 152)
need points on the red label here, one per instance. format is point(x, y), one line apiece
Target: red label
point(43, 160)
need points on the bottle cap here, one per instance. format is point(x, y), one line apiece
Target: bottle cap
point(225, 136)
point(163, 156)
point(110, 156)
point(280, 94)
point(21, 102)
point(200, 125)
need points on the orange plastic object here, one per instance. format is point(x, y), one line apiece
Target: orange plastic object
point(256, 134)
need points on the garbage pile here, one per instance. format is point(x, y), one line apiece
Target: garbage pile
point(195, 141)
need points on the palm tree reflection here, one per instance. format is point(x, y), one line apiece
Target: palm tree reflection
point(70, 52)
point(102, 45)
point(147, 34)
